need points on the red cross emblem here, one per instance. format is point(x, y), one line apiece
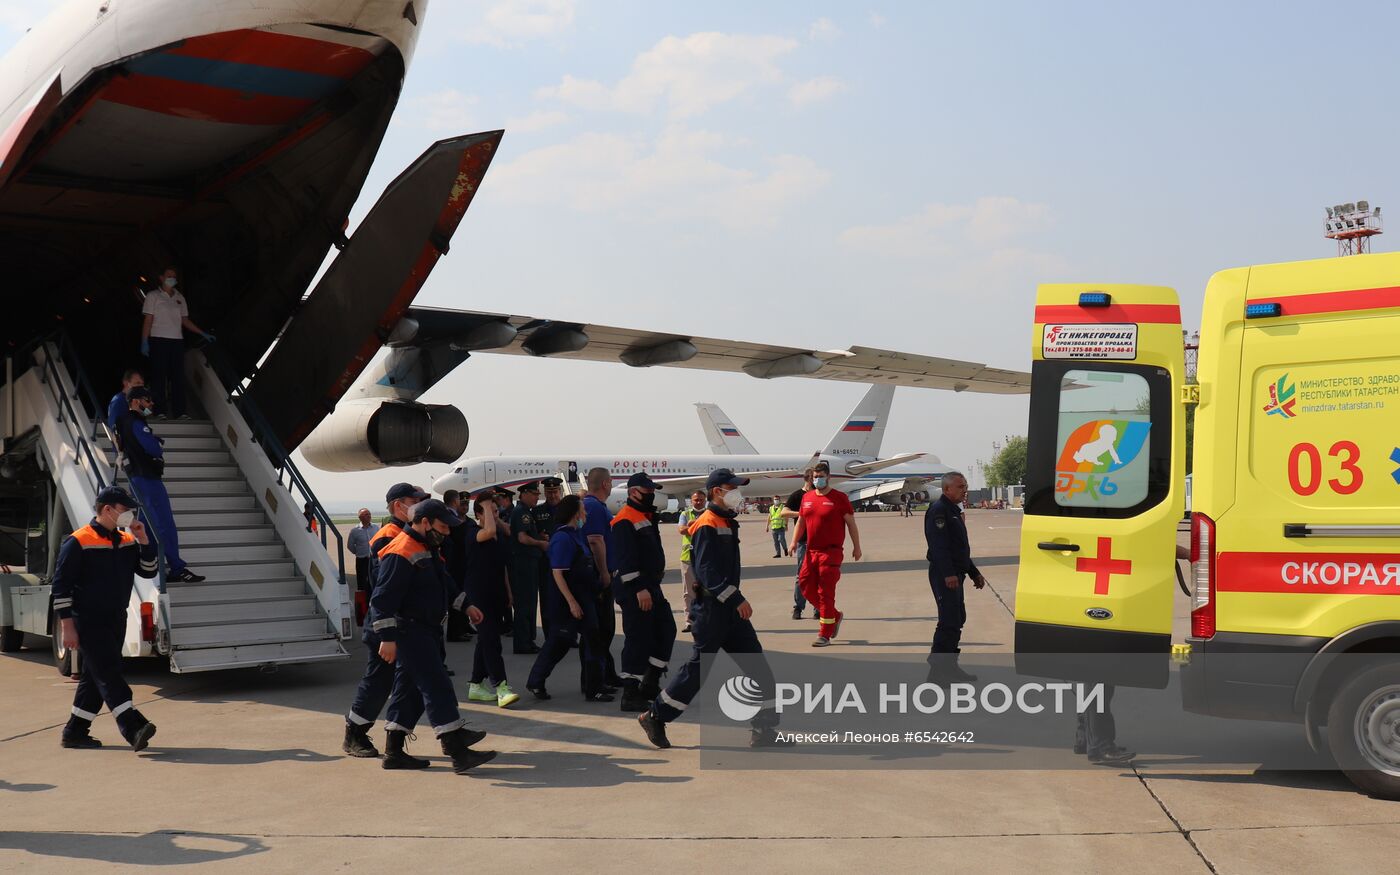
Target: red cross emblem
point(1103, 566)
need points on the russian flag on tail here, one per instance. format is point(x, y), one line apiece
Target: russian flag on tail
point(860, 424)
point(729, 431)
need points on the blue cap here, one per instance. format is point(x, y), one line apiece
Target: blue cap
point(138, 392)
point(400, 491)
point(724, 477)
point(116, 495)
point(432, 509)
point(641, 479)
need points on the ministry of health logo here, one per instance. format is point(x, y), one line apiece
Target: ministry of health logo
point(1281, 399)
point(741, 698)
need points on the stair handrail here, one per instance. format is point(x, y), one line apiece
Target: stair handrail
point(266, 437)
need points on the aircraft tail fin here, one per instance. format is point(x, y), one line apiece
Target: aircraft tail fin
point(723, 436)
point(861, 433)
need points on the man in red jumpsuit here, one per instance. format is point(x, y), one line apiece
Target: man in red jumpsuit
point(825, 517)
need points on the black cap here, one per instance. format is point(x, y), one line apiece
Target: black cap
point(641, 479)
point(532, 486)
point(724, 477)
point(501, 490)
point(400, 491)
point(552, 482)
point(432, 509)
point(116, 495)
point(136, 392)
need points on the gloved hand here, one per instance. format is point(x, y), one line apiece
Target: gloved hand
point(145, 346)
point(208, 338)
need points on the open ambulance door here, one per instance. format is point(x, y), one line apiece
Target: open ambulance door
point(1105, 485)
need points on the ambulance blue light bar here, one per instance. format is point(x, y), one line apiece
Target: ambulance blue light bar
point(1263, 310)
point(1095, 299)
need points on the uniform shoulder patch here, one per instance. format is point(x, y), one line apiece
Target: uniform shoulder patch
point(940, 521)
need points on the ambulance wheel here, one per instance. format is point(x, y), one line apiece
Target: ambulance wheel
point(11, 639)
point(1363, 730)
point(66, 660)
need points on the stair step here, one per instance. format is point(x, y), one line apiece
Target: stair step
point(167, 428)
point(197, 555)
point(301, 607)
point(249, 632)
point(221, 503)
point(206, 488)
point(181, 458)
point(260, 570)
point(283, 653)
point(226, 536)
point(238, 519)
point(180, 473)
point(183, 595)
point(177, 443)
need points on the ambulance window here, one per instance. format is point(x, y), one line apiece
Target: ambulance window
point(1100, 441)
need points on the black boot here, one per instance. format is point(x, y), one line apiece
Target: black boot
point(357, 742)
point(138, 731)
point(456, 744)
point(943, 669)
point(634, 701)
point(654, 728)
point(77, 734)
point(1112, 755)
point(651, 683)
point(396, 757)
point(767, 737)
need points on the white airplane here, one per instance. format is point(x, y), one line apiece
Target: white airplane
point(853, 453)
point(913, 478)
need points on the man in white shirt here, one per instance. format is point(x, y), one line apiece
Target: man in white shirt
point(163, 342)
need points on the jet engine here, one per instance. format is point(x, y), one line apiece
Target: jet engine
point(372, 433)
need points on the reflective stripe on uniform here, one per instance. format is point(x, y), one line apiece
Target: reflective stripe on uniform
point(825, 621)
point(391, 726)
point(122, 708)
point(357, 719)
point(60, 604)
point(450, 727)
point(386, 623)
point(679, 706)
point(631, 576)
point(641, 524)
point(719, 531)
point(629, 676)
point(724, 594)
point(658, 663)
point(86, 715)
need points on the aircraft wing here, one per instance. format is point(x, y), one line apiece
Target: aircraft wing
point(858, 469)
point(470, 332)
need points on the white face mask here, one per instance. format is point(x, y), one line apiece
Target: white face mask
point(819, 482)
point(170, 282)
point(734, 499)
point(125, 518)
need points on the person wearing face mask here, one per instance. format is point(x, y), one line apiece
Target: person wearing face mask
point(598, 530)
point(489, 592)
point(165, 318)
point(688, 516)
point(648, 628)
point(410, 602)
point(121, 402)
point(527, 545)
point(378, 678)
point(949, 566)
point(722, 617)
point(791, 510)
point(91, 590)
point(825, 518)
point(145, 466)
point(570, 605)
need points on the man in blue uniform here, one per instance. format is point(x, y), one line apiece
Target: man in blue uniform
point(121, 401)
point(949, 565)
point(378, 679)
point(648, 628)
point(544, 527)
point(145, 465)
point(528, 543)
point(410, 601)
point(721, 616)
point(598, 530)
point(91, 590)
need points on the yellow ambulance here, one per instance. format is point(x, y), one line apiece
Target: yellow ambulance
point(1295, 523)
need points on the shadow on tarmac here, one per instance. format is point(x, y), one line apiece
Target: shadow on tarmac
point(224, 756)
point(558, 769)
point(151, 849)
point(1297, 779)
point(24, 788)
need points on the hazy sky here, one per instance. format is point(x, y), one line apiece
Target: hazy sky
point(897, 175)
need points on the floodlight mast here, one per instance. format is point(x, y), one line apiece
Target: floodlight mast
point(1352, 225)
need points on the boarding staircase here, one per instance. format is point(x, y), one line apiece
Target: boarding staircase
point(271, 594)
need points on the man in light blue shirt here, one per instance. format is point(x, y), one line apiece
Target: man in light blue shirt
point(358, 542)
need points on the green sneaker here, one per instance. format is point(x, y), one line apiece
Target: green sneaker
point(505, 696)
point(480, 693)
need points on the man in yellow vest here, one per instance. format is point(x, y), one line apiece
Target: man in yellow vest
point(777, 524)
point(688, 583)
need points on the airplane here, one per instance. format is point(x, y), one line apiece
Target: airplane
point(231, 139)
point(853, 453)
point(912, 478)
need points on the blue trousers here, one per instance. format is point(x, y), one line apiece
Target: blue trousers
point(952, 613)
point(717, 626)
point(375, 684)
point(168, 375)
point(647, 636)
point(799, 553)
point(156, 513)
point(421, 681)
point(100, 647)
point(780, 541)
point(563, 629)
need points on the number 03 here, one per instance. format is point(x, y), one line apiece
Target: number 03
point(1347, 455)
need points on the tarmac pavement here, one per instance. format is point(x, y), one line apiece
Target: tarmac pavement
point(246, 772)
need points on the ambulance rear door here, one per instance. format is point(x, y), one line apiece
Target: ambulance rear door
point(1105, 484)
point(1311, 545)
